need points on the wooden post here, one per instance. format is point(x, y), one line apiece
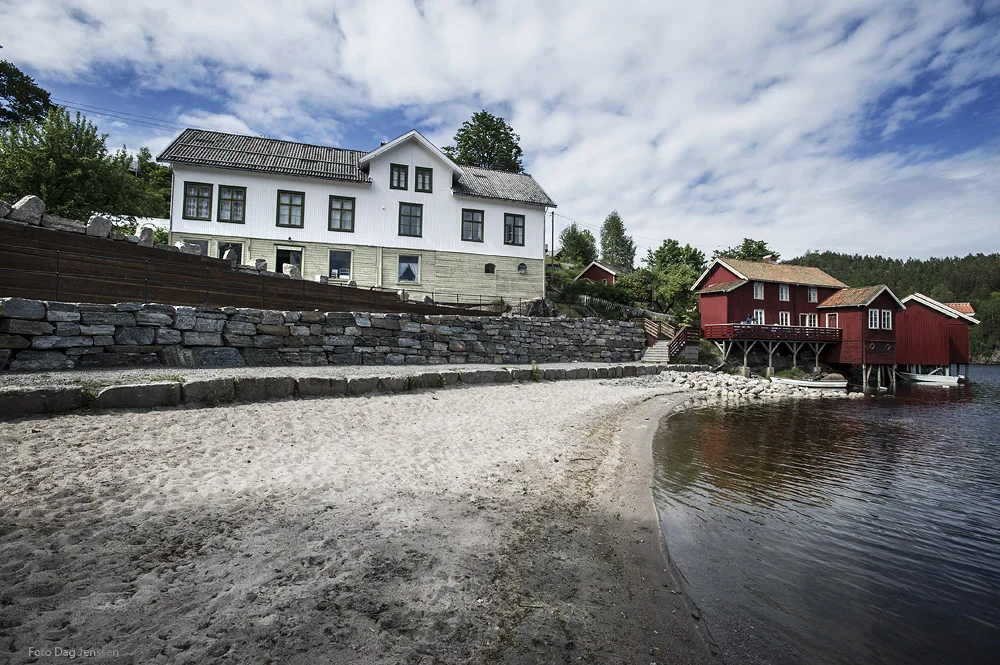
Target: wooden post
point(864, 376)
point(878, 378)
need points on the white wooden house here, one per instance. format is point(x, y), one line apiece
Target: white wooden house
point(402, 216)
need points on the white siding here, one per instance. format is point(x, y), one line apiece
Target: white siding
point(377, 214)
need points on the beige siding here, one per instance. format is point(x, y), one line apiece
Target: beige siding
point(441, 273)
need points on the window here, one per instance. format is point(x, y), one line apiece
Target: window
point(491, 269)
point(341, 214)
point(783, 292)
point(513, 229)
point(289, 255)
point(236, 247)
point(409, 268)
point(813, 297)
point(411, 217)
point(758, 317)
point(398, 176)
point(232, 204)
point(522, 268)
point(758, 290)
point(340, 264)
point(809, 320)
point(291, 208)
point(886, 319)
point(873, 315)
point(197, 201)
point(472, 225)
point(784, 318)
point(423, 179)
point(831, 319)
point(202, 245)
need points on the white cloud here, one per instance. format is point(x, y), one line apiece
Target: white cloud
point(696, 121)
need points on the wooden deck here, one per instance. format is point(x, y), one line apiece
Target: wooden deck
point(744, 331)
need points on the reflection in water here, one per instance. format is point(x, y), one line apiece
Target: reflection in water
point(841, 531)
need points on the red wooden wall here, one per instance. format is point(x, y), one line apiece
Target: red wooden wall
point(713, 308)
point(958, 338)
point(923, 336)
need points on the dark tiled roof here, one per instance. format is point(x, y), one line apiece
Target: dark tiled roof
point(484, 183)
point(723, 287)
point(779, 272)
point(253, 153)
point(856, 297)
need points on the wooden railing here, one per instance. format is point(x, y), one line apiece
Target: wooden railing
point(684, 336)
point(656, 330)
point(779, 333)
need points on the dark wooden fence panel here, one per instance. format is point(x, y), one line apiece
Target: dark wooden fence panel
point(44, 264)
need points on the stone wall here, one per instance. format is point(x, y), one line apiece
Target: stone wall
point(37, 335)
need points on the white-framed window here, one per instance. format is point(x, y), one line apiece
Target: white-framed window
point(809, 320)
point(409, 269)
point(758, 290)
point(831, 319)
point(758, 317)
point(340, 264)
point(783, 292)
point(886, 319)
point(784, 318)
point(813, 295)
point(873, 319)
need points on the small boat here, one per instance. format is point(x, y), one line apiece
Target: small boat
point(938, 379)
point(800, 383)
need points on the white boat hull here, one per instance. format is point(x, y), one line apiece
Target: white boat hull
point(938, 379)
point(799, 383)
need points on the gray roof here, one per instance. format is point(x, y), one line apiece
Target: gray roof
point(488, 184)
point(254, 153)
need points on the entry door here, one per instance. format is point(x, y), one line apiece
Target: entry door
point(284, 255)
point(831, 320)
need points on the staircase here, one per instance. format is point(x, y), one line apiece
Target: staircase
point(658, 353)
point(667, 344)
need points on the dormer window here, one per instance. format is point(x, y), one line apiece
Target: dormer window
point(399, 175)
point(423, 180)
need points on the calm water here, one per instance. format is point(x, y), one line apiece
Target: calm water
point(841, 531)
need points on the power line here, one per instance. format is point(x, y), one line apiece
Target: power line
point(124, 116)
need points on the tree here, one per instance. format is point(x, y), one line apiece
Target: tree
point(487, 141)
point(66, 163)
point(578, 245)
point(156, 178)
point(617, 248)
point(674, 268)
point(21, 99)
point(750, 250)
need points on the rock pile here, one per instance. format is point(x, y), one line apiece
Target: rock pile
point(713, 388)
point(37, 335)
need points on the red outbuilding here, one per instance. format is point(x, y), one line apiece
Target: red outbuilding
point(868, 318)
point(934, 334)
point(598, 271)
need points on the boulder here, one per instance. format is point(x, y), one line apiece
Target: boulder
point(219, 357)
point(208, 391)
point(145, 236)
point(99, 227)
point(29, 210)
point(37, 361)
point(260, 264)
point(188, 248)
point(21, 308)
point(63, 224)
point(231, 256)
point(293, 272)
point(140, 336)
point(4, 209)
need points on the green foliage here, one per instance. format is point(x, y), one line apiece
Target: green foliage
point(156, 178)
point(749, 250)
point(487, 141)
point(617, 248)
point(638, 284)
point(21, 100)
point(708, 354)
point(598, 290)
point(792, 373)
point(66, 162)
point(973, 278)
point(671, 270)
point(578, 245)
point(536, 374)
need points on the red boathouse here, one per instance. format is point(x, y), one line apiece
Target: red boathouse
point(934, 335)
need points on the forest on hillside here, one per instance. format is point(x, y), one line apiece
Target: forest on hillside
point(974, 278)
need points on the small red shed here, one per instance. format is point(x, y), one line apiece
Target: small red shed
point(934, 333)
point(868, 319)
point(598, 271)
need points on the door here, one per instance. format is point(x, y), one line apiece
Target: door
point(284, 255)
point(831, 320)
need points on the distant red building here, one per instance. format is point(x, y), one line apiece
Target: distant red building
point(934, 333)
point(598, 271)
point(868, 318)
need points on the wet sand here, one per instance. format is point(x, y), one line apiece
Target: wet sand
point(495, 524)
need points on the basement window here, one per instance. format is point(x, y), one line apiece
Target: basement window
point(340, 264)
point(237, 248)
point(409, 269)
point(491, 269)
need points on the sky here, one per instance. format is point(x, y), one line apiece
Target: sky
point(860, 126)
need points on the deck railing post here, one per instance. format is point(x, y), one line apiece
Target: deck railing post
point(207, 275)
point(145, 281)
point(57, 275)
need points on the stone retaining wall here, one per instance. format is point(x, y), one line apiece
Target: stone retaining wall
point(37, 335)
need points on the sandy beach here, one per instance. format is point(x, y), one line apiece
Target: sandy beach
point(494, 524)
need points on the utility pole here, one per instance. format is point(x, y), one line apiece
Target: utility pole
point(552, 251)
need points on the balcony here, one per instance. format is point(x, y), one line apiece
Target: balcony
point(746, 331)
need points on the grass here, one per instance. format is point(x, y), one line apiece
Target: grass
point(792, 373)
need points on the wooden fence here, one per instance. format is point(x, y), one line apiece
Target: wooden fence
point(45, 264)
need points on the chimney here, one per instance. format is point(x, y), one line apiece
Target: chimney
point(770, 259)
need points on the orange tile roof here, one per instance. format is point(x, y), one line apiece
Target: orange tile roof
point(963, 307)
point(779, 272)
point(856, 297)
point(723, 287)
